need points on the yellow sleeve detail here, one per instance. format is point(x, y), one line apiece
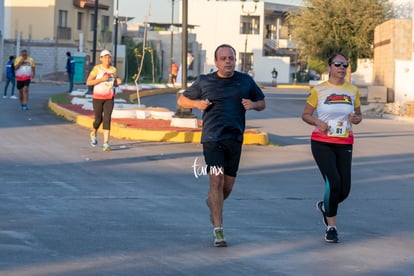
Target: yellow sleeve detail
point(357, 99)
point(313, 97)
point(17, 60)
point(94, 71)
point(32, 62)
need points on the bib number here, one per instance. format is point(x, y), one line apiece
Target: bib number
point(338, 128)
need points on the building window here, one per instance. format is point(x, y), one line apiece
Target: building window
point(270, 31)
point(80, 19)
point(249, 24)
point(246, 62)
point(92, 25)
point(106, 34)
point(105, 23)
point(63, 19)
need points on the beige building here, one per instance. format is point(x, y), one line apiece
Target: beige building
point(64, 21)
point(394, 54)
point(392, 43)
point(49, 28)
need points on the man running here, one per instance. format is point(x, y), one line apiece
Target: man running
point(223, 96)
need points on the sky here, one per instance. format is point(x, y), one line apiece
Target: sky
point(160, 10)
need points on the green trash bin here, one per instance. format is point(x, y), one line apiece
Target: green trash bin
point(81, 67)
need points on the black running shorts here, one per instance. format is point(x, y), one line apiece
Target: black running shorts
point(21, 84)
point(223, 154)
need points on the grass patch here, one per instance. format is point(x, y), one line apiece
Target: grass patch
point(61, 98)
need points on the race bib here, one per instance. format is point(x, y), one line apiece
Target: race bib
point(24, 70)
point(338, 128)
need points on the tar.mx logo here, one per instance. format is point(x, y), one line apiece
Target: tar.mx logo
point(200, 169)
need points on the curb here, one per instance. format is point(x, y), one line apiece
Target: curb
point(118, 130)
point(399, 118)
point(294, 86)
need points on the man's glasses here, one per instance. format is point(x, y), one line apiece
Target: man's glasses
point(338, 63)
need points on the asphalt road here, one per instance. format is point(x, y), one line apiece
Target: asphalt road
point(69, 209)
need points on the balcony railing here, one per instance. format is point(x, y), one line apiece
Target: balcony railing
point(64, 33)
point(280, 44)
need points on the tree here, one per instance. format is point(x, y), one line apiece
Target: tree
point(151, 64)
point(324, 27)
point(318, 65)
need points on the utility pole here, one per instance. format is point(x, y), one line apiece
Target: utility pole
point(116, 31)
point(1, 38)
point(184, 112)
point(184, 45)
point(95, 33)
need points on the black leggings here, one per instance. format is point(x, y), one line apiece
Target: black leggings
point(103, 112)
point(334, 162)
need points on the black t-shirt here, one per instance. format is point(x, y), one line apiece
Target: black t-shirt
point(225, 118)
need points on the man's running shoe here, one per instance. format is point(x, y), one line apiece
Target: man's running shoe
point(319, 207)
point(13, 97)
point(106, 147)
point(94, 141)
point(219, 240)
point(331, 235)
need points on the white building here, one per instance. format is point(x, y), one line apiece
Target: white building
point(256, 29)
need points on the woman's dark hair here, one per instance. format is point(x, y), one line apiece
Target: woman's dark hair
point(334, 56)
point(224, 46)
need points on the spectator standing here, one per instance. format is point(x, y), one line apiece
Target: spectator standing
point(10, 78)
point(274, 77)
point(70, 70)
point(174, 72)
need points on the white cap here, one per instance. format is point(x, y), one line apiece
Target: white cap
point(105, 52)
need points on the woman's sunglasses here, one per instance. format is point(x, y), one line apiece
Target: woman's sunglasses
point(338, 63)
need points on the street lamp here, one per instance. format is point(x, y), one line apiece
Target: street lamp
point(116, 31)
point(95, 32)
point(248, 13)
point(95, 38)
point(170, 78)
point(184, 45)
